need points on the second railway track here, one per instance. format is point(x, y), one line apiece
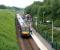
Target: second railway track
point(28, 44)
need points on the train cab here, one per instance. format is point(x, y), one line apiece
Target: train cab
point(26, 32)
point(24, 27)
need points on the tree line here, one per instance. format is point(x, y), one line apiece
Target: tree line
point(49, 9)
point(8, 7)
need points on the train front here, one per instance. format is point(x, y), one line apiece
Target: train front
point(26, 33)
point(25, 27)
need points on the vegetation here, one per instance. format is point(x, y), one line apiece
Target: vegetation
point(2, 7)
point(7, 30)
point(47, 10)
point(46, 32)
point(12, 8)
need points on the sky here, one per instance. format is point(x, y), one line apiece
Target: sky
point(18, 3)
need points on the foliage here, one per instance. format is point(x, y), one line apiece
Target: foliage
point(3, 7)
point(46, 32)
point(50, 9)
point(12, 8)
point(57, 23)
point(47, 10)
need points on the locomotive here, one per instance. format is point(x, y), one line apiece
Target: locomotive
point(25, 30)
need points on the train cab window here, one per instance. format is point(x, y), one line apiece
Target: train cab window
point(25, 29)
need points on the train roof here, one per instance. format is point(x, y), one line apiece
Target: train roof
point(21, 21)
point(28, 15)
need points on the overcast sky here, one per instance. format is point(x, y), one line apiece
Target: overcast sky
point(17, 3)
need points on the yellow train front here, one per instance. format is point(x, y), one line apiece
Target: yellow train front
point(25, 35)
point(26, 32)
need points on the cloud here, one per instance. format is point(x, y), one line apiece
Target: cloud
point(18, 3)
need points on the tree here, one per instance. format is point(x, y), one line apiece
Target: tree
point(50, 7)
point(3, 7)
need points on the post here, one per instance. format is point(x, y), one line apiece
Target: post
point(52, 33)
point(43, 16)
point(36, 23)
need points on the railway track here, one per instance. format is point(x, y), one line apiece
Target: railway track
point(28, 44)
point(25, 44)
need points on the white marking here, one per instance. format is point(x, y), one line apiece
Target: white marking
point(21, 21)
point(38, 42)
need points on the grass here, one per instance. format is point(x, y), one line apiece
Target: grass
point(7, 30)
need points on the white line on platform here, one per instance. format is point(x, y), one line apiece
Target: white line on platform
point(38, 42)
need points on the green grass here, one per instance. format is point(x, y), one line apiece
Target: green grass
point(7, 30)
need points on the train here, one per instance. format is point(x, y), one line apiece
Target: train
point(25, 29)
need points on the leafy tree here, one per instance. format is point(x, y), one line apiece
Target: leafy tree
point(3, 7)
point(50, 7)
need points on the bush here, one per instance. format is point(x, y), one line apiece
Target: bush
point(57, 23)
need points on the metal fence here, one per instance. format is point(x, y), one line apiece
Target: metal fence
point(46, 35)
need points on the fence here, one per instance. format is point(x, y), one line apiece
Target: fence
point(46, 35)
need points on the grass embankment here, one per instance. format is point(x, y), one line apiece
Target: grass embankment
point(7, 30)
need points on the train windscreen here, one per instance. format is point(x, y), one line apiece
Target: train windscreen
point(25, 29)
